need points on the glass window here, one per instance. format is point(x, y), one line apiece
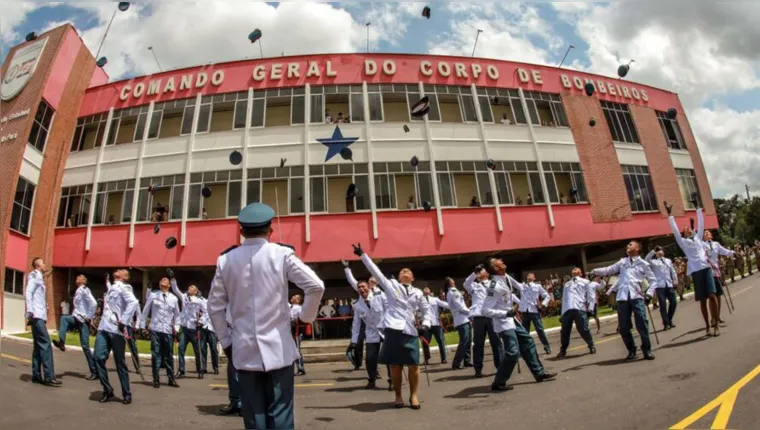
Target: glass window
point(517, 108)
point(178, 196)
point(297, 110)
point(22, 206)
point(385, 191)
point(638, 184)
point(143, 205)
point(155, 124)
point(187, 120)
point(41, 126)
point(620, 122)
point(253, 193)
point(425, 189)
point(375, 106)
point(317, 189)
point(113, 132)
point(468, 108)
point(536, 189)
point(362, 192)
point(504, 188)
point(551, 186)
point(257, 113)
point(296, 196)
point(446, 189)
point(234, 190)
point(194, 205)
point(580, 186)
point(100, 200)
point(484, 189)
point(14, 282)
point(687, 182)
point(126, 208)
point(485, 109)
point(434, 114)
point(357, 107)
point(140, 128)
point(672, 131)
point(241, 107)
point(204, 119)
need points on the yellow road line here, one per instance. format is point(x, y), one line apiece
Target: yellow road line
point(726, 402)
point(13, 357)
point(297, 385)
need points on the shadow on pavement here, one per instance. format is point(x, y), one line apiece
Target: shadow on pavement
point(467, 377)
point(346, 389)
point(567, 357)
point(612, 362)
point(75, 375)
point(361, 407)
point(214, 410)
point(344, 371)
point(481, 391)
point(702, 329)
point(344, 379)
point(686, 342)
point(95, 396)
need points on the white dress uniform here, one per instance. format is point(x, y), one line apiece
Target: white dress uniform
point(530, 294)
point(191, 323)
point(36, 296)
point(482, 325)
point(119, 306)
point(576, 301)
point(163, 309)
point(458, 307)
point(461, 314)
point(664, 287)
point(593, 287)
point(433, 320)
point(36, 311)
point(714, 250)
point(85, 304)
point(693, 247)
point(295, 310)
point(85, 307)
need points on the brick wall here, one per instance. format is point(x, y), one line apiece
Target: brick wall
point(696, 161)
point(599, 161)
point(660, 164)
point(47, 194)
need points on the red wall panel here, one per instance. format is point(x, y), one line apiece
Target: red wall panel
point(17, 256)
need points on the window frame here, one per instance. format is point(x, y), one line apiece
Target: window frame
point(22, 207)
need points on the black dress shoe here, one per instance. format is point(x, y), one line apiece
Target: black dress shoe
point(127, 400)
point(37, 381)
point(648, 355)
point(468, 365)
point(444, 362)
point(547, 376)
point(60, 345)
point(592, 350)
point(106, 397)
point(92, 377)
point(562, 354)
point(501, 387)
point(370, 385)
point(180, 375)
point(229, 410)
point(672, 325)
point(301, 372)
point(200, 375)
point(216, 371)
point(173, 383)
point(53, 383)
point(631, 355)
point(156, 384)
point(455, 367)
point(478, 373)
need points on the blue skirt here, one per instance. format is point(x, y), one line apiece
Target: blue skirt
point(704, 284)
point(718, 287)
point(400, 349)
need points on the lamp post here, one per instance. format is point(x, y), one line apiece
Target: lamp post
point(563, 58)
point(476, 42)
point(123, 6)
point(367, 25)
point(254, 37)
point(150, 48)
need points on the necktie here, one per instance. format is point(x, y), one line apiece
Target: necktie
point(427, 298)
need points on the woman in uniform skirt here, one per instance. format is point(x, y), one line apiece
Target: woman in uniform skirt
point(401, 346)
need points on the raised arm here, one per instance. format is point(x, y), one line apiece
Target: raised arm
point(442, 304)
point(676, 233)
point(468, 282)
point(608, 271)
point(514, 284)
point(723, 251)
point(350, 278)
point(382, 281)
point(700, 223)
point(175, 289)
point(308, 281)
point(650, 256)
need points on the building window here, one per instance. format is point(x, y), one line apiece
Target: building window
point(14, 282)
point(41, 126)
point(74, 206)
point(329, 186)
point(281, 188)
point(671, 130)
point(544, 109)
point(620, 122)
point(638, 183)
point(22, 206)
point(224, 201)
point(164, 203)
point(687, 183)
point(113, 203)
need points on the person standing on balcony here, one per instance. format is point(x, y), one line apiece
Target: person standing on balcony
point(402, 345)
point(475, 284)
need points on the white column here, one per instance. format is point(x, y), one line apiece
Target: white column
point(370, 168)
point(96, 179)
point(491, 179)
point(246, 139)
point(138, 174)
point(433, 172)
point(538, 159)
point(188, 164)
point(306, 173)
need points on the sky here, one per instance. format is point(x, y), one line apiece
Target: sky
point(707, 52)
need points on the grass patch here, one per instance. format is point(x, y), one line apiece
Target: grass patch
point(72, 339)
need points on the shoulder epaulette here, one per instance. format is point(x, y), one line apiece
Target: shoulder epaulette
point(228, 249)
point(287, 246)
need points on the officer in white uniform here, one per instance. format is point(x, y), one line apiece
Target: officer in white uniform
point(370, 307)
point(253, 281)
point(597, 284)
point(163, 308)
point(499, 305)
point(235, 405)
point(191, 323)
point(36, 316)
point(84, 311)
point(475, 284)
point(461, 314)
point(665, 287)
point(297, 327)
point(355, 350)
point(714, 250)
point(137, 317)
point(433, 320)
point(576, 299)
point(631, 299)
point(209, 346)
point(530, 294)
point(119, 307)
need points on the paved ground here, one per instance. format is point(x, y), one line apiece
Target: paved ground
point(695, 382)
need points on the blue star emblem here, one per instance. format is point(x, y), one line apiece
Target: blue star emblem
point(336, 143)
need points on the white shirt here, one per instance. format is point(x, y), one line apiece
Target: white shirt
point(355, 284)
point(295, 310)
point(498, 302)
point(632, 272)
point(713, 250)
point(576, 295)
point(119, 306)
point(530, 293)
point(458, 308)
point(593, 287)
point(85, 304)
point(64, 308)
point(128, 288)
point(372, 312)
point(692, 247)
point(433, 317)
point(206, 319)
point(36, 296)
point(477, 292)
point(253, 281)
point(664, 272)
point(356, 324)
point(403, 301)
point(193, 309)
point(163, 309)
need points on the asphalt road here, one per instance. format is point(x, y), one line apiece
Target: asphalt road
point(695, 382)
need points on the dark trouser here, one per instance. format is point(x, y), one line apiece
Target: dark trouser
point(436, 331)
point(68, 321)
point(132, 340)
point(299, 362)
point(535, 318)
point(233, 383)
point(483, 325)
point(359, 350)
point(42, 353)
point(209, 345)
point(373, 354)
point(638, 309)
point(667, 295)
point(161, 354)
point(105, 342)
point(464, 349)
point(192, 337)
point(268, 399)
point(517, 342)
point(581, 324)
